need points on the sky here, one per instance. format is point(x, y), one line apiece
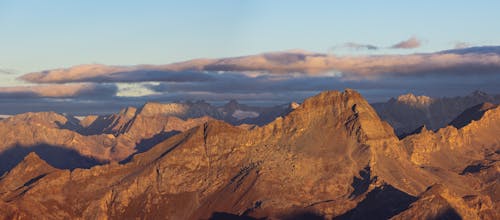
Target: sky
point(43, 35)
point(37, 35)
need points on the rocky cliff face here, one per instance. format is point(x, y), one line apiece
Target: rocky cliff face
point(331, 156)
point(454, 148)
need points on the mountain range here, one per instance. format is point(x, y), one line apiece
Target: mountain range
point(332, 156)
point(407, 113)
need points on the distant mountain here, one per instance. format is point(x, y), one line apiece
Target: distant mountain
point(330, 157)
point(472, 114)
point(65, 142)
point(409, 112)
point(472, 50)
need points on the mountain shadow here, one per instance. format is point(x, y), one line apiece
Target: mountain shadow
point(228, 216)
point(146, 144)
point(382, 202)
point(294, 215)
point(361, 185)
point(71, 124)
point(449, 214)
point(57, 156)
point(302, 215)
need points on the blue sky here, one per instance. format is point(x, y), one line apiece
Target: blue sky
point(37, 35)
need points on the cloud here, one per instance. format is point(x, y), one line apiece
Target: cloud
point(411, 43)
point(356, 46)
point(59, 91)
point(103, 74)
point(477, 60)
point(240, 86)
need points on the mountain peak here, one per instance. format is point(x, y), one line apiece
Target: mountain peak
point(25, 173)
point(327, 97)
point(478, 93)
point(47, 119)
point(359, 118)
point(155, 108)
point(413, 100)
point(32, 156)
point(293, 105)
point(231, 106)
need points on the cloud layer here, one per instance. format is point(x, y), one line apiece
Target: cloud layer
point(59, 91)
point(270, 77)
point(477, 60)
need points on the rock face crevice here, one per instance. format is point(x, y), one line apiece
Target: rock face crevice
point(331, 156)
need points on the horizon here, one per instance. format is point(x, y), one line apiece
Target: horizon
point(253, 51)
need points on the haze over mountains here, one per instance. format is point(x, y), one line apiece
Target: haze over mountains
point(330, 156)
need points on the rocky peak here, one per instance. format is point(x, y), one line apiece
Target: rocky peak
point(88, 120)
point(33, 158)
point(348, 108)
point(27, 171)
point(293, 105)
point(39, 116)
point(413, 100)
point(181, 110)
point(155, 108)
point(231, 106)
point(479, 94)
point(46, 119)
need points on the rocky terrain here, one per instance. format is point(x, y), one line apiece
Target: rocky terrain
point(409, 112)
point(65, 142)
point(330, 157)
